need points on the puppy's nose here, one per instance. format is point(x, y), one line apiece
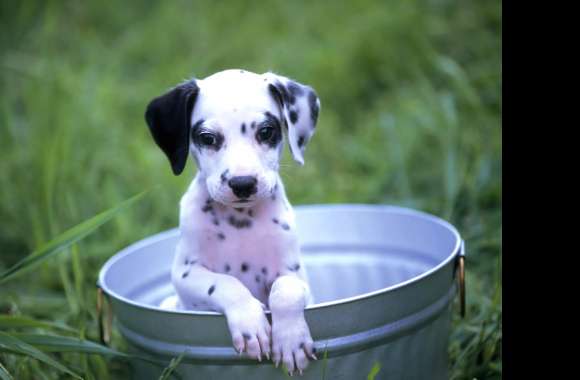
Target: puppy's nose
point(243, 186)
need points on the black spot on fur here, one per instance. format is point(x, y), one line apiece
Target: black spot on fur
point(186, 262)
point(207, 207)
point(243, 128)
point(287, 98)
point(258, 278)
point(245, 267)
point(300, 141)
point(227, 268)
point(275, 220)
point(247, 336)
point(294, 268)
point(215, 221)
point(239, 223)
point(221, 236)
point(211, 290)
point(312, 98)
point(185, 274)
point(302, 345)
point(224, 177)
point(294, 89)
point(241, 209)
point(253, 125)
point(277, 95)
point(251, 213)
point(293, 116)
point(274, 191)
point(285, 226)
point(265, 271)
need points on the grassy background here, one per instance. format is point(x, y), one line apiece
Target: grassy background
point(411, 115)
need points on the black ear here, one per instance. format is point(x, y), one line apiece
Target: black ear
point(169, 119)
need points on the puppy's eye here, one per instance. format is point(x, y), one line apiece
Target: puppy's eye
point(207, 139)
point(265, 133)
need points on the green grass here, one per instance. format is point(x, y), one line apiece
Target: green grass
point(411, 115)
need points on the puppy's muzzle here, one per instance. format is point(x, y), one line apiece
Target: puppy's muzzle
point(243, 186)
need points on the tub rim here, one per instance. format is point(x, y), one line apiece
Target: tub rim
point(458, 250)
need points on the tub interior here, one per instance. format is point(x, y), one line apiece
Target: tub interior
point(347, 251)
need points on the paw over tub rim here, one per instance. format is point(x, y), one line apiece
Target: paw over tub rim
point(457, 251)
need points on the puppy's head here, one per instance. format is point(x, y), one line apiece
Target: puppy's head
point(233, 124)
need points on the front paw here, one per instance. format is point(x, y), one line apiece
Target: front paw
point(250, 329)
point(292, 343)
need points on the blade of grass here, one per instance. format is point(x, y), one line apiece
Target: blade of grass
point(66, 282)
point(15, 322)
point(4, 374)
point(168, 371)
point(84, 357)
point(79, 279)
point(374, 371)
point(66, 239)
point(38, 371)
point(12, 344)
point(99, 367)
point(57, 343)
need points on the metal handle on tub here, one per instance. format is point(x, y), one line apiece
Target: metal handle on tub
point(461, 278)
point(104, 326)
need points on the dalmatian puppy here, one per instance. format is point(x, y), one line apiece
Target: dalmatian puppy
point(238, 251)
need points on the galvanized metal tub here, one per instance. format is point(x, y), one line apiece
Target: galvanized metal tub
point(383, 279)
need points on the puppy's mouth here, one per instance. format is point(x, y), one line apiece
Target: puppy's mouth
point(238, 202)
point(242, 202)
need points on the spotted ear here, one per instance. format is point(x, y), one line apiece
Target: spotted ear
point(300, 106)
point(169, 119)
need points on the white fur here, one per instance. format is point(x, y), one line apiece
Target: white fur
point(212, 251)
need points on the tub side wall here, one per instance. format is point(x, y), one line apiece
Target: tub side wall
point(421, 354)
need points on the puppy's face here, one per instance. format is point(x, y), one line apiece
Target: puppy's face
point(233, 124)
point(237, 137)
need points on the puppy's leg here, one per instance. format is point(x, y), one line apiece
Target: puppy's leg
point(291, 340)
point(247, 322)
